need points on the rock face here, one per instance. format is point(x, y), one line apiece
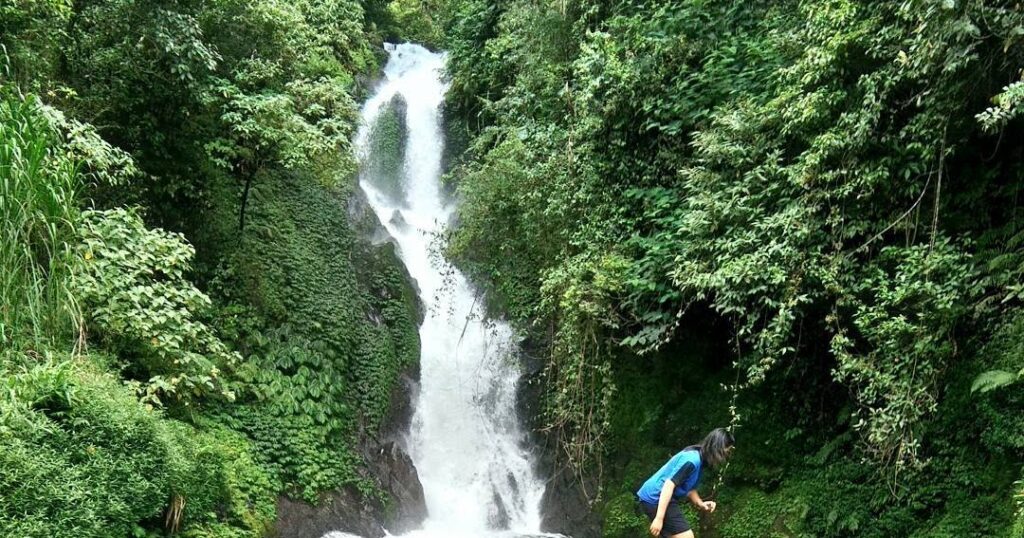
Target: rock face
point(391, 465)
point(397, 475)
point(565, 508)
point(375, 243)
point(341, 511)
point(398, 420)
point(388, 464)
point(383, 448)
point(345, 510)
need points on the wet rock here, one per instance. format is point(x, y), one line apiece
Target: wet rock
point(398, 220)
point(513, 484)
point(497, 514)
point(530, 389)
point(346, 511)
point(398, 420)
point(341, 510)
point(365, 222)
point(376, 247)
point(565, 508)
point(397, 475)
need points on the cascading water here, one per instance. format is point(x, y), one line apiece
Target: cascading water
point(465, 438)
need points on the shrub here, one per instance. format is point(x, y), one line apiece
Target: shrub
point(137, 292)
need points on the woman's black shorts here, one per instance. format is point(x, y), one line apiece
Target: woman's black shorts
point(675, 521)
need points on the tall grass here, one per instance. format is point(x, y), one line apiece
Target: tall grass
point(39, 212)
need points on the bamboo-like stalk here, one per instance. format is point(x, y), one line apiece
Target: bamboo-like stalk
point(39, 211)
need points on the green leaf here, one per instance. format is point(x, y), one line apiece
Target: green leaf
point(992, 379)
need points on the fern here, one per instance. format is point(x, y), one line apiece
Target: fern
point(994, 379)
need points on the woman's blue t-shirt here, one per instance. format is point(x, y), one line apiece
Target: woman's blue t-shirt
point(651, 490)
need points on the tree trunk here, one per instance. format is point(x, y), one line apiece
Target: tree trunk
point(245, 200)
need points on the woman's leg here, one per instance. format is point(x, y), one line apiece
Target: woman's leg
point(676, 525)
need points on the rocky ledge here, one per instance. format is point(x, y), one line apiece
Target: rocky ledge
point(347, 511)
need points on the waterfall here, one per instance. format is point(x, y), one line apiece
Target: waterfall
point(465, 438)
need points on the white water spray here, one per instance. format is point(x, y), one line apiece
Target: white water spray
point(465, 441)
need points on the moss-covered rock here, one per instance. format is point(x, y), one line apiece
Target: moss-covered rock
point(385, 161)
point(327, 322)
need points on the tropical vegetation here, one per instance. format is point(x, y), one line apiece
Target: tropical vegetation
point(798, 218)
point(191, 324)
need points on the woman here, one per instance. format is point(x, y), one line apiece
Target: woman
point(661, 492)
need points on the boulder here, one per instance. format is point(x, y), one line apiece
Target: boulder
point(565, 508)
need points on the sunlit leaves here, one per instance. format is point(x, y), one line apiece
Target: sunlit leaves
point(1008, 104)
point(136, 287)
point(992, 380)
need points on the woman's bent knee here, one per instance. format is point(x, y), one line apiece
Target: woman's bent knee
point(687, 534)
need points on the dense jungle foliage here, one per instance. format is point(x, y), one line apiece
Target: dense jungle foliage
point(190, 325)
point(800, 218)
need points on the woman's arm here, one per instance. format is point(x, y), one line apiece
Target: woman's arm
point(701, 503)
point(663, 499)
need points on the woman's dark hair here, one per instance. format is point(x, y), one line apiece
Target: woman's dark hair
point(714, 449)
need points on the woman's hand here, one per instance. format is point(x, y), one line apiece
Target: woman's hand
point(709, 506)
point(656, 526)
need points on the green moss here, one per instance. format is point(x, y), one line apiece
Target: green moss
point(325, 322)
point(752, 513)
